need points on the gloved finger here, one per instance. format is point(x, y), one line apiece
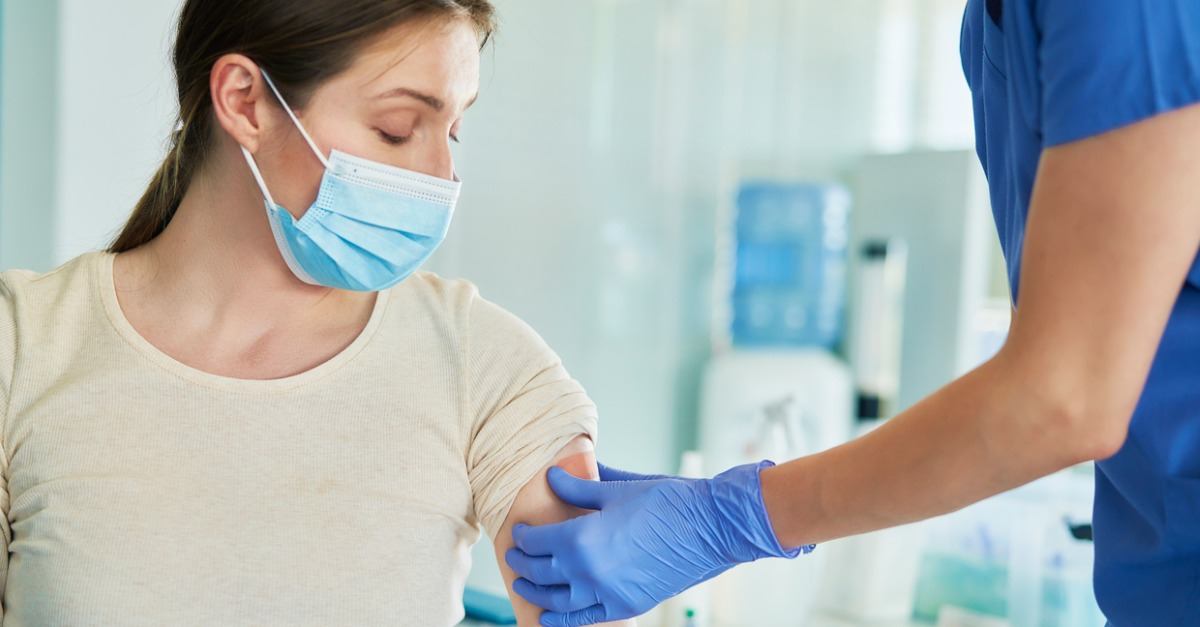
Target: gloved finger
point(582, 492)
point(608, 473)
point(588, 616)
point(553, 598)
point(539, 540)
point(539, 570)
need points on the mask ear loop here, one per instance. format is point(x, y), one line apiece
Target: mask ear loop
point(311, 144)
point(258, 177)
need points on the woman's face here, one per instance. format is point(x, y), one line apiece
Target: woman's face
point(400, 103)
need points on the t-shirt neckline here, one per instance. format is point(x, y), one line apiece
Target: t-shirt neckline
point(103, 280)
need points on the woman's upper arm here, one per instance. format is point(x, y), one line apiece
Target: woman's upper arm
point(536, 504)
point(522, 408)
point(1113, 230)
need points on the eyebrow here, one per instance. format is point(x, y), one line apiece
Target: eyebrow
point(433, 102)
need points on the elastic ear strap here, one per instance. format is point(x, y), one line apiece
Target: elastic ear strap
point(262, 185)
point(311, 144)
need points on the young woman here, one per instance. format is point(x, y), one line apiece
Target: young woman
point(253, 409)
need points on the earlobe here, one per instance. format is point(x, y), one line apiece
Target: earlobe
point(235, 99)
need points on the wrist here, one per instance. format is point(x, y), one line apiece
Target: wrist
point(737, 497)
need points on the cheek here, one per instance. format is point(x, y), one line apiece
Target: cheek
point(339, 132)
point(361, 139)
point(301, 172)
point(294, 175)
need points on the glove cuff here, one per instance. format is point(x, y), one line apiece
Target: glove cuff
point(737, 494)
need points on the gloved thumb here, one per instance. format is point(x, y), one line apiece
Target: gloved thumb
point(580, 492)
point(587, 616)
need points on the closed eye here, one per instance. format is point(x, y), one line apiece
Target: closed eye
point(391, 139)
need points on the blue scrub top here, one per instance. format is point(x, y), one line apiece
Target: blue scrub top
point(1049, 72)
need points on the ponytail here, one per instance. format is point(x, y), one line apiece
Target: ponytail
point(159, 202)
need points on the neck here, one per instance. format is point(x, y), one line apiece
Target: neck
point(218, 256)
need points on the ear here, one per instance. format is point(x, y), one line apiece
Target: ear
point(240, 99)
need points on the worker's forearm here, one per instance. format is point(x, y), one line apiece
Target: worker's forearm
point(981, 435)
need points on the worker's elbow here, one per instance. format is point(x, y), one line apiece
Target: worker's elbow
point(1091, 433)
point(1082, 414)
point(1105, 443)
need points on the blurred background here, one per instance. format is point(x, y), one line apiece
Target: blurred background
point(751, 228)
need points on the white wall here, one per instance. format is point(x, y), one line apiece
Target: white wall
point(116, 106)
point(87, 103)
point(28, 128)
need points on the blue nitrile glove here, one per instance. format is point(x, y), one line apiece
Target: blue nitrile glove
point(652, 538)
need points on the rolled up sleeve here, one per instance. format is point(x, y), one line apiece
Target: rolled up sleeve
point(524, 407)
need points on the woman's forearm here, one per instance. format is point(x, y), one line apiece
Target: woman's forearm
point(978, 436)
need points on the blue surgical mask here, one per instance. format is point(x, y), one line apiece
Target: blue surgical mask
point(371, 226)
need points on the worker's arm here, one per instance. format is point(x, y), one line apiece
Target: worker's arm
point(1114, 226)
point(536, 505)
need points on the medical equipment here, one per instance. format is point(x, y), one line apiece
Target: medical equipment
point(1015, 557)
point(936, 203)
point(487, 608)
point(878, 324)
point(773, 403)
point(778, 404)
point(870, 579)
point(790, 266)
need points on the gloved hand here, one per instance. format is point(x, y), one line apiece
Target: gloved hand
point(652, 538)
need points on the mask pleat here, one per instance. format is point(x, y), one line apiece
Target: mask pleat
point(371, 226)
point(389, 210)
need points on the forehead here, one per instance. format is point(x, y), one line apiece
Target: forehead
point(438, 57)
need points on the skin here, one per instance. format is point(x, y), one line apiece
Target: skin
point(213, 292)
point(1114, 227)
point(215, 272)
point(536, 504)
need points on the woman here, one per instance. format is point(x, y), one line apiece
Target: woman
point(251, 410)
point(1088, 126)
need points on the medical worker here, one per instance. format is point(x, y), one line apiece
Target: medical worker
point(1088, 130)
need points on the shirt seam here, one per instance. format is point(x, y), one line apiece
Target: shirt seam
point(987, 57)
point(466, 421)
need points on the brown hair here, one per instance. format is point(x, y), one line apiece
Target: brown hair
point(300, 42)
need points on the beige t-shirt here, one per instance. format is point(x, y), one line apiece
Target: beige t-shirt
point(140, 491)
